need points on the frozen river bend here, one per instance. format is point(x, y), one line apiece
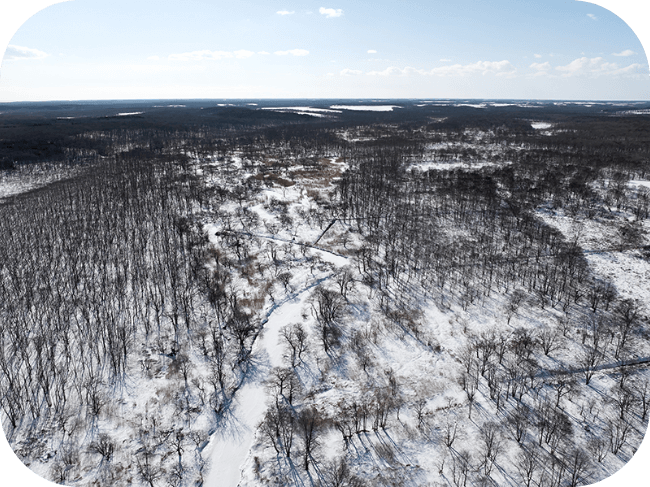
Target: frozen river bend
point(230, 444)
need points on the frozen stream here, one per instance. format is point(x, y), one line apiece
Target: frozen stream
point(230, 444)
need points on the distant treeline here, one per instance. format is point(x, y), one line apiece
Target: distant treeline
point(32, 133)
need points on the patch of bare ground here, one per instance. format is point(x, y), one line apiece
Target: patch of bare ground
point(274, 179)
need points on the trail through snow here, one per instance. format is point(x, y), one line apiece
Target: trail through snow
point(230, 444)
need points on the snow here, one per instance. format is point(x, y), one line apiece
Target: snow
point(314, 112)
point(366, 108)
point(541, 125)
point(320, 115)
point(480, 105)
point(229, 453)
point(27, 178)
point(626, 269)
point(232, 440)
point(639, 183)
point(303, 109)
point(422, 372)
point(449, 166)
point(635, 112)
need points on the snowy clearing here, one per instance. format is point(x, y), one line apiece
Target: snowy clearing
point(541, 125)
point(366, 108)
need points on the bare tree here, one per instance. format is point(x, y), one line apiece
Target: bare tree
point(518, 421)
point(627, 315)
point(527, 465)
point(103, 446)
point(450, 431)
point(309, 425)
point(461, 468)
point(579, 465)
point(345, 281)
point(512, 306)
point(564, 386)
point(283, 383)
point(589, 359)
point(295, 338)
point(597, 446)
point(549, 339)
point(492, 443)
point(328, 309)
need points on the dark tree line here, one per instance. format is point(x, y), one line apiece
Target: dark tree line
point(105, 277)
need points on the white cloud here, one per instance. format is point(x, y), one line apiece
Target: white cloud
point(580, 66)
point(201, 55)
point(538, 56)
point(372, 51)
point(597, 66)
point(243, 54)
point(330, 12)
point(625, 53)
point(500, 68)
point(153, 58)
point(592, 16)
point(541, 69)
point(285, 12)
point(20, 52)
point(293, 52)
point(394, 71)
point(350, 72)
point(445, 60)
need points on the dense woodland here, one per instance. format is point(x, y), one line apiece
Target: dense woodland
point(127, 326)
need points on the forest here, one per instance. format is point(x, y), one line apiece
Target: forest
point(406, 293)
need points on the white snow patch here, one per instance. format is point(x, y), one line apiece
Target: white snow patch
point(366, 108)
point(449, 166)
point(229, 445)
point(639, 184)
point(302, 109)
point(480, 105)
point(541, 125)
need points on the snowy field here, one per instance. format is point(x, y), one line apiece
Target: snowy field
point(27, 178)
point(450, 166)
point(314, 112)
point(541, 125)
point(366, 108)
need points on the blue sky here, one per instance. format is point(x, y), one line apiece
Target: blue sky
point(92, 49)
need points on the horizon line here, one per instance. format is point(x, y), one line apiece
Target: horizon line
point(370, 99)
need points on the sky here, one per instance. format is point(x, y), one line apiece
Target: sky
point(99, 49)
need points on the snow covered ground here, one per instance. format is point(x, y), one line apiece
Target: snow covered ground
point(424, 356)
point(302, 109)
point(231, 444)
point(450, 166)
point(27, 178)
point(541, 125)
point(366, 108)
point(608, 257)
point(230, 447)
point(314, 112)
